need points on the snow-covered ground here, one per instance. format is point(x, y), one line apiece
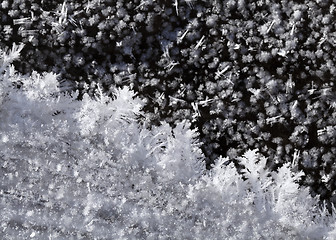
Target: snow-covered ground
point(88, 169)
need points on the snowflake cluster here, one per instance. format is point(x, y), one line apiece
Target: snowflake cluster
point(87, 169)
point(248, 74)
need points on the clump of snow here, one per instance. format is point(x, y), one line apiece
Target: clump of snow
point(87, 168)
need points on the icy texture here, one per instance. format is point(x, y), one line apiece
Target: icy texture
point(86, 169)
point(248, 74)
